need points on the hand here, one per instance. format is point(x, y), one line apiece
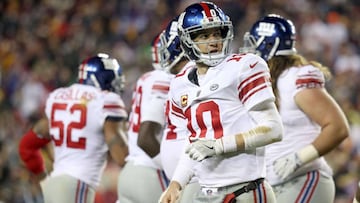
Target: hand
point(287, 165)
point(201, 149)
point(171, 194)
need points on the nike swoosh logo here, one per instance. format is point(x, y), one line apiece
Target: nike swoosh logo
point(209, 147)
point(253, 65)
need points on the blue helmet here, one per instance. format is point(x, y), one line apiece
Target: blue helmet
point(271, 36)
point(202, 16)
point(171, 53)
point(102, 72)
point(155, 52)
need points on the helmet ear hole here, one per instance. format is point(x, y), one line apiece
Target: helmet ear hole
point(269, 46)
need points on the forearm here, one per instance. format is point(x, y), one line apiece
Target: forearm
point(183, 172)
point(150, 146)
point(116, 141)
point(118, 149)
point(329, 138)
point(269, 129)
point(147, 140)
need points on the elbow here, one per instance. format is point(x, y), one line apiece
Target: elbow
point(343, 132)
point(142, 143)
point(123, 159)
point(119, 156)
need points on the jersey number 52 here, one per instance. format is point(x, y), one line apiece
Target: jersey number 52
point(67, 131)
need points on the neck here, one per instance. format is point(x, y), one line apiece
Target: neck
point(202, 68)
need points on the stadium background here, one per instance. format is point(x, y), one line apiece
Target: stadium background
point(43, 41)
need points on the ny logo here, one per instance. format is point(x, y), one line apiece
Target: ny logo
point(110, 64)
point(266, 29)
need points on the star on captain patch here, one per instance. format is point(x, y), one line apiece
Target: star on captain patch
point(184, 100)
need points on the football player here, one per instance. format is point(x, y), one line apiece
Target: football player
point(84, 122)
point(146, 124)
point(228, 104)
point(313, 122)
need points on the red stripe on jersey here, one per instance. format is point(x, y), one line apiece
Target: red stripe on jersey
point(207, 11)
point(86, 192)
point(246, 98)
point(161, 87)
point(307, 82)
point(254, 86)
point(180, 74)
point(177, 111)
point(314, 185)
point(264, 192)
point(183, 71)
point(254, 195)
point(112, 106)
point(249, 78)
point(177, 115)
point(77, 191)
point(303, 188)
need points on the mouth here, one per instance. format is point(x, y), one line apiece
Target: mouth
point(215, 51)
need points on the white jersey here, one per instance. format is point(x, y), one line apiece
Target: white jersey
point(148, 104)
point(219, 107)
point(76, 115)
point(175, 135)
point(299, 129)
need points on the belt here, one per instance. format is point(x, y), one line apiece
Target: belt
point(252, 185)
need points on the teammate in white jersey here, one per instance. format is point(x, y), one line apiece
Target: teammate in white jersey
point(173, 60)
point(228, 104)
point(313, 122)
point(142, 179)
point(84, 122)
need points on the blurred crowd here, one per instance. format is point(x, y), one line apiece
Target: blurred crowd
point(43, 41)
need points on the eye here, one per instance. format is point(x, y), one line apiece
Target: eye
point(203, 36)
point(218, 33)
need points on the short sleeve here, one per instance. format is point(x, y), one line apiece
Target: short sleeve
point(309, 77)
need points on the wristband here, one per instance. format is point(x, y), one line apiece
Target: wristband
point(228, 144)
point(307, 154)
